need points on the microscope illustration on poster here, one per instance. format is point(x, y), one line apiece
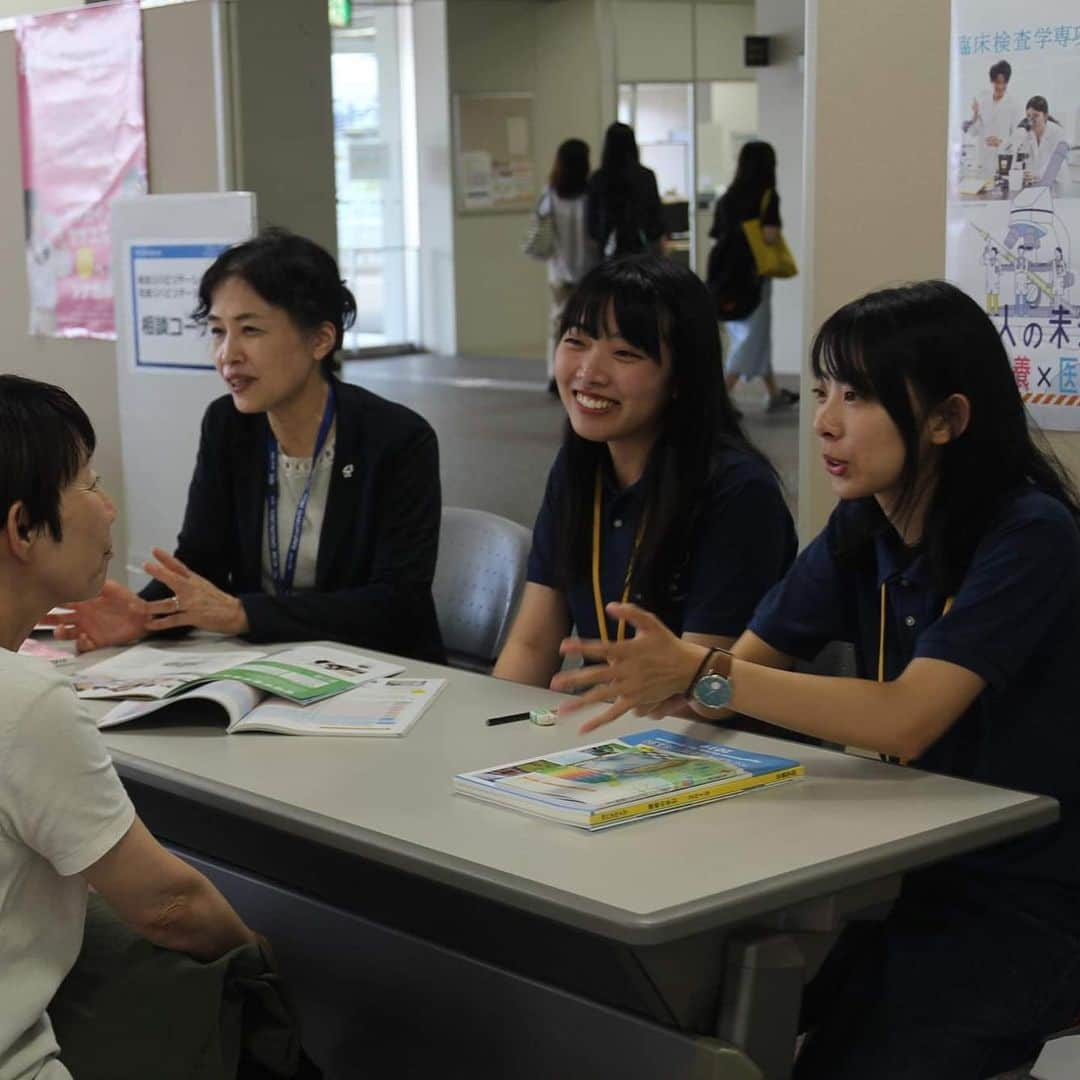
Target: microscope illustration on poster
point(1014, 190)
point(1031, 264)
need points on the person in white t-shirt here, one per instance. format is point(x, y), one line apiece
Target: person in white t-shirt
point(66, 822)
point(575, 251)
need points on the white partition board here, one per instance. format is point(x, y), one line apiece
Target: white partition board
point(161, 407)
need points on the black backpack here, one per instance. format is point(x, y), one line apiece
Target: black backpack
point(732, 278)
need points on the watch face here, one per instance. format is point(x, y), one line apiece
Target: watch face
point(712, 691)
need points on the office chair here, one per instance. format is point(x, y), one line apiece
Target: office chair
point(479, 578)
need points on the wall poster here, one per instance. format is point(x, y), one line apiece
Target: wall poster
point(83, 143)
point(1013, 216)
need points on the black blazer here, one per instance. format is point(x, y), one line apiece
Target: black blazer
point(629, 207)
point(380, 532)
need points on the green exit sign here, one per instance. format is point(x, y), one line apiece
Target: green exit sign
point(340, 13)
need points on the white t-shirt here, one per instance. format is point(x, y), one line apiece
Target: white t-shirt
point(575, 253)
point(62, 807)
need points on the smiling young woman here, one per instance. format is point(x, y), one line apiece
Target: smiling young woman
point(315, 505)
point(656, 494)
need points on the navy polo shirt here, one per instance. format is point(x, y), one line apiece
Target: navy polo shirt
point(1014, 621)
point(740, 540)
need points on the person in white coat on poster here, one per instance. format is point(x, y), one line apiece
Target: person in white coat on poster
point(994, 117)
point(1046, 145)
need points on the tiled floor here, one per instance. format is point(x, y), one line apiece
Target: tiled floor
point(499, 429)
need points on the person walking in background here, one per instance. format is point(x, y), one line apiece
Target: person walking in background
point(575, 252)
point(623, 209)
point(731, 269)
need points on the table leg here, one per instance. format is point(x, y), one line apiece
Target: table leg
point(759, 1008)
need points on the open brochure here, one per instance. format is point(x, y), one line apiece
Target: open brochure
point(386, 706)
point(304, 674)
point(633, 776)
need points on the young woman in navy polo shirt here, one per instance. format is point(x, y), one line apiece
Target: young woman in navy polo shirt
point(953, 564)
point(656, 494)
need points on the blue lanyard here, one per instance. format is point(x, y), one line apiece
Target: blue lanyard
point(283, 585)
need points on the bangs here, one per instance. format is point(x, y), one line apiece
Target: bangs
point(839, 355)
point(612, 301)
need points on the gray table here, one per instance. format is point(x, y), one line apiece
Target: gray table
point(676, 892)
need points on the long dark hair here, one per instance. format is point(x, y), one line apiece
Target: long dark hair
point(570, 172)
point(652, 300)
point(755, 174)
point(910, 348)
point(620, 152)
point(289, 272)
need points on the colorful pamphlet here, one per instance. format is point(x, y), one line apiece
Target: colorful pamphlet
point(380, 707)
point(633, 776)
point(304, 674)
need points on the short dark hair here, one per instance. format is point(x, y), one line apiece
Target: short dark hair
point(910, 348)
point(570, 173)
point(45, 439)
point(1002, 67)
point(289, 272)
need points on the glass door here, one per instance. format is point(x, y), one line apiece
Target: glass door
point(370, 174)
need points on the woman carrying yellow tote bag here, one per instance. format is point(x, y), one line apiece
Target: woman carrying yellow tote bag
point(739, 279)
point(772, 260)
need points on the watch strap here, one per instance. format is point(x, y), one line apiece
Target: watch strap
point(700, 671)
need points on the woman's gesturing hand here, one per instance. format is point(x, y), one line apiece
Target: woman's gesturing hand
point(643, 673)
point(195, 601)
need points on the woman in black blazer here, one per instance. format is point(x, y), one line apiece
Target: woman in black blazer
point(623, 211)
point(314, 509)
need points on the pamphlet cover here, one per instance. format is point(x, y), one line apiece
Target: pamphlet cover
point(302, 674)
point(379, 707)
point(606, 783)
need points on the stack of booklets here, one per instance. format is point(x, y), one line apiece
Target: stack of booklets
point(633, 776)
point(307, 690)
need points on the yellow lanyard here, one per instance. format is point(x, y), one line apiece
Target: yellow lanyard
point(881, 655)
point(598, 597)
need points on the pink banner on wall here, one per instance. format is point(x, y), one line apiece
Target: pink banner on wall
point(83, 138)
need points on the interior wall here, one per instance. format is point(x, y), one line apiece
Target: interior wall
point(181, 131)
point(283, 116)
point(438, 309)
point(871, 219)
point(499, 293)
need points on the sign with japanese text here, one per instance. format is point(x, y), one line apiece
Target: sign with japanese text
point(164, 292)
point(1014, 189)
point(83, 141)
